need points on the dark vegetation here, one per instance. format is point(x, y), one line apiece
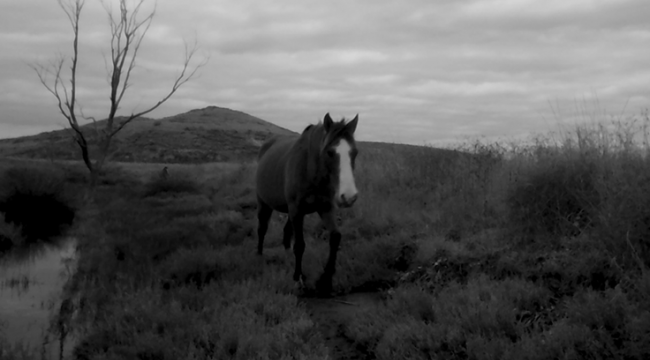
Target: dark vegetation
point(37, 204)
point(493, 252)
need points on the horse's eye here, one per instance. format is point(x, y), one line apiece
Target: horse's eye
point(331, 152)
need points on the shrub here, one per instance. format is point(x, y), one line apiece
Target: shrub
point(37, 200)
point(624, 216)
point(595, 178)
point(556, 196)
point(171, 184)
point(461, 321)
point(371, 265)
point(10, 235)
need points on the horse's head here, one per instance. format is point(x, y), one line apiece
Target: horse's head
point(338, 154)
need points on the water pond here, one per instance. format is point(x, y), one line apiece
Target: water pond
point(31, 284)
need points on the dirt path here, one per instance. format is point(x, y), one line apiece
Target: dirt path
point(331, 315)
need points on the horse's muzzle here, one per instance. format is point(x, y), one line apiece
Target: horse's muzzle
point(346, 202)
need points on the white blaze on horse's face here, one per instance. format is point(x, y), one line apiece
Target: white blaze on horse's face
point(346, 193)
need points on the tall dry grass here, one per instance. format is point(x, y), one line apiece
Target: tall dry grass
point(592, 180)
point(533, 249)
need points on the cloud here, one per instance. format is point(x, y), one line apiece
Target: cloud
point(417, 71)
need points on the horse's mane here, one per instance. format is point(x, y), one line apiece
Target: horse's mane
point(337, 127)
point(312, 137)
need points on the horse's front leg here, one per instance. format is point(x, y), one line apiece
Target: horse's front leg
point(296, 218)
point(324, 284)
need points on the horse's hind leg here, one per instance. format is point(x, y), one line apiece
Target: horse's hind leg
point(263, 215)
point(288, 233)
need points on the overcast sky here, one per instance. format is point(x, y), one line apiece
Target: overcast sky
point(417, 71)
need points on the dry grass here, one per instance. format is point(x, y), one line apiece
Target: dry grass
point(493, 252)
point(536, 251)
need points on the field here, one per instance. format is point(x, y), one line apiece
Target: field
point(493, 252)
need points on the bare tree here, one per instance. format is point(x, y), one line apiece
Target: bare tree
point(127, 33)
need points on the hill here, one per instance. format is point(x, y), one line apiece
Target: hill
point(201, 135)
point(212, 134)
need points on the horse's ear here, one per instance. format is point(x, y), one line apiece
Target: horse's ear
point(328, 122)
point(352, 125)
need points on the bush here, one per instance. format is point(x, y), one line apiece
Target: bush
point(593, 180)
point(10, 235)
point(37, 200)
point(371, 265)
point(555, 196)
point(597, 326)
point(624, 216)
point(482, 317)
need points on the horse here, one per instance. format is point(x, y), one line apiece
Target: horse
point(300, 175)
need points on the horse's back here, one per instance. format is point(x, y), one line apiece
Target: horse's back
point(270, 177)
point(266, 145)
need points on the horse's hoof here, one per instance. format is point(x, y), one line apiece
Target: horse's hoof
point(324, 288)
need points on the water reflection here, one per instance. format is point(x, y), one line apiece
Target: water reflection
point(31, 284)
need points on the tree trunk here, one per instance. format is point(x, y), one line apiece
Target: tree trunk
point(102, 155)
point(86, 156)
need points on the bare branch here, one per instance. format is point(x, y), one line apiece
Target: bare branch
point(42, 73)
point(64, 95)
point(63, 104)
point(180, 80)
point(127, 32)
point(146, 23)
point(91, 118)
point(124, 30)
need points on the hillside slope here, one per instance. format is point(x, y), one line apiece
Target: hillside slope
point(202, 135)
point(211, 134)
